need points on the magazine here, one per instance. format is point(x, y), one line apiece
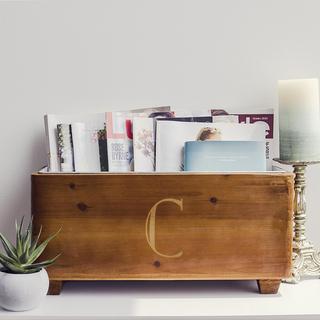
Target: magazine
point(208, 119)
point(155, 112)
point(171, 136)
point(85, 147)
point(103, 148)
point(144, 136)
point(224, 156)
point(182, 113)
point(119, 141)
point(144, 144)
point(93, 122)
point(65, 147)
point(263, 116)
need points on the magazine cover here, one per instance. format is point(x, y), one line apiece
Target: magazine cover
point(197, 112)
point(144, 136)
point(263, 116)
point(93, 121)
point(119, 141)
point(171, 136)
point(65, 147)
point(144, 144)
point(85, 147)
point(79, 153)
point(156, 112)
point(208, 119)
point(103, 148)
point(224, 156)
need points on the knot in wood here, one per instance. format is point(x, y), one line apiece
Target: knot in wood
point(213, 200)
point(72, 185)
point(156, 264)
point(82, 206)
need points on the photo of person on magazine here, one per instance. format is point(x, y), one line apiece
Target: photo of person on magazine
point(208, 133)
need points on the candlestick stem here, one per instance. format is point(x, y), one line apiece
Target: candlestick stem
point(306, 261)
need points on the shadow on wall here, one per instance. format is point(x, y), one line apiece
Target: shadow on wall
point(17, 202)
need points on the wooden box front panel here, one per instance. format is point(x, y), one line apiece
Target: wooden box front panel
point(166, 226)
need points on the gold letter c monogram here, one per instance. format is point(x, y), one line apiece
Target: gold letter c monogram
point(151, 227)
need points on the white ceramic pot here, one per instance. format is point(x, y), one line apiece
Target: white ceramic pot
point(21, 292)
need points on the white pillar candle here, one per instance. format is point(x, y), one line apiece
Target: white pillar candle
point(299, 120)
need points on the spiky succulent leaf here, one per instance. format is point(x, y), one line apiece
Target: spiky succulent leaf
point(42, 264)
point(27, 240)
point(19, 247)
point(26, 245)
point(6, 258)
point(30, 226)
point(15, 268)
point(22, 257)
point(8, 247)
point(33, 270)
point(35, 242)
point(38, 251)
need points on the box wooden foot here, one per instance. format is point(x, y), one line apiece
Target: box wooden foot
point(55, 287)
point(268, 286)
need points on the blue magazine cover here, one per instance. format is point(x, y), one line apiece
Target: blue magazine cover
point(225, 156)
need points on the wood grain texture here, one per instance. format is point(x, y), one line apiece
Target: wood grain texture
point(269, 286)
point(229, 226)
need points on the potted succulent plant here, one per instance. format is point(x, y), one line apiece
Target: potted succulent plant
point(23, 280)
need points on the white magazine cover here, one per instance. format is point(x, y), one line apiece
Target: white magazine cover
point(93, 121)
point(85, 148)
point(119, 140)
point(263, 116)
point(143, 144)
point(144, 136)
point(172, 135)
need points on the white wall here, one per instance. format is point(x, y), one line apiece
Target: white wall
point(81, 56)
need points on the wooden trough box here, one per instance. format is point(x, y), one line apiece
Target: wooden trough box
point(171, 226)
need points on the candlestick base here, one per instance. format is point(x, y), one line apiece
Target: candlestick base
point(306, 262)
point(305, 259)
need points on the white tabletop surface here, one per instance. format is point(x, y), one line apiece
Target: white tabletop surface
point(212, 299)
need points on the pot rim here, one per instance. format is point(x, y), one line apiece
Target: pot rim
point(21, 274)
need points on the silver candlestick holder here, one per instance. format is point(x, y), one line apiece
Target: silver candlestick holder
point(306, 260)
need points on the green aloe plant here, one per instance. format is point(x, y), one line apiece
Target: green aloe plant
point(22, 257)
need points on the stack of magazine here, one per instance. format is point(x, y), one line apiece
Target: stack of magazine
point(160, 139)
